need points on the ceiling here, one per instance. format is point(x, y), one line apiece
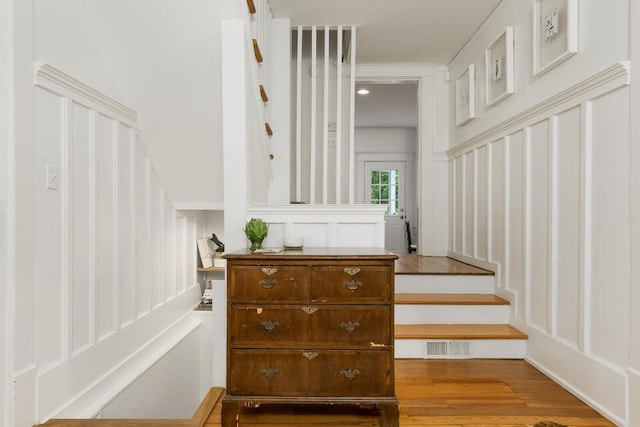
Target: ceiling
point(387, 105)
point(396, 31)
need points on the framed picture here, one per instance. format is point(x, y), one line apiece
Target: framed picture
point(555, 33)
point(499, 77)
point(465, 96)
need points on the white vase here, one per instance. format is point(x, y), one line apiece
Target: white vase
point(219, 262)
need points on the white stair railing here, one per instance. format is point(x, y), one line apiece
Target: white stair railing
point(322, 157)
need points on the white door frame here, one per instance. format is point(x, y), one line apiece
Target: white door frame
point(432, 198)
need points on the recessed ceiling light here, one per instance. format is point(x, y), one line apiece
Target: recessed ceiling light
point(363, 92)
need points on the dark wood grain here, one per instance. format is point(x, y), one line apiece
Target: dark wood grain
point(310, 327)
point(416, 264)
point(458, 331)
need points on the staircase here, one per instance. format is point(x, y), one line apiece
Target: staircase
point(453, 316)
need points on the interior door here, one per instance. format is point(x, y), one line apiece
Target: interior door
point(385, 183)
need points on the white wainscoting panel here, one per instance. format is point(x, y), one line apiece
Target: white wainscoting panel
point(126, 224)
point(105, 207)
point(48, 222)
point(481, 189)
point(537, 223)
point(469, 205)
point(495, 196)
point(610, 273)
point(545, 197)
point(566, 208)
point(114, 263)
point(323, 225)
point(514, 218)
point(458, 204)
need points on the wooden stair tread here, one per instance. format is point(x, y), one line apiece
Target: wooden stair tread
point(458, 331)
point(416, 265)
point(449, 299)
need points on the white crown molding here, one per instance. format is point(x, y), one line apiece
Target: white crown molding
point(55, 80)
point(608, 80)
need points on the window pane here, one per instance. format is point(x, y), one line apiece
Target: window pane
point(384, 177)
point(384, 192)
point(375, 177)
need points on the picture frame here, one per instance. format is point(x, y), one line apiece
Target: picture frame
point(499, 74)
point(465, 96)
point(555, 33)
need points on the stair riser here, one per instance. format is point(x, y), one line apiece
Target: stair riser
point(478, 349)
point(406, 314)
point(443, 284)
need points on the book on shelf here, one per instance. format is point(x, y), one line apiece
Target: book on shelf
point(206, 252)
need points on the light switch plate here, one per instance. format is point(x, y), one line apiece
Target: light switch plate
point(53, 177)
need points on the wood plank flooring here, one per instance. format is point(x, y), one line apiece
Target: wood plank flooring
point(416, 264)
point(455, 393)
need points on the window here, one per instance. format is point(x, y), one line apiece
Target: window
point(385, 189)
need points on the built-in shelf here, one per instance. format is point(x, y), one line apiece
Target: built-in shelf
point(211, 269)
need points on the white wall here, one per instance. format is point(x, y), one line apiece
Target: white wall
point(112, 258)
point(634, 355)
point(5, 225)
point(162, 58)
point(168, 392)
point(540, 194)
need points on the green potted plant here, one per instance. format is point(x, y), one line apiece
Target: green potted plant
point(256, 230)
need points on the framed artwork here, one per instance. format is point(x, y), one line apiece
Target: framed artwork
point(555, 33)
point(465, 96)
point(499, 77)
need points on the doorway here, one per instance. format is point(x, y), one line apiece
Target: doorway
point(386, 145)
point(385, 183)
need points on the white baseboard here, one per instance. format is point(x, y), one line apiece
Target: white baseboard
point(601, 386)
point(633, 397)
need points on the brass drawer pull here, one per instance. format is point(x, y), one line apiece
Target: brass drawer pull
point(350, 373)
point(351, 271)
point(268, 284)
point(309, 310)
point(269, 372)
point(310, 354)
point(270, 325)
point(269, 270)
point(349, 326)
point(352, 285)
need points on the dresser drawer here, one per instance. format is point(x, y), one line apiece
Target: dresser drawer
point(319, 326)
point(268, 283)
point(310, 373)
point(352, 283)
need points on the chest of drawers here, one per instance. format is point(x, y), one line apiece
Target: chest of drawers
point(312, 327)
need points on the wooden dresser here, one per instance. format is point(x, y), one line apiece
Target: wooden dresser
point(310, 327)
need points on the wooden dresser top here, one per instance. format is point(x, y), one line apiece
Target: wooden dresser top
point(322, 253)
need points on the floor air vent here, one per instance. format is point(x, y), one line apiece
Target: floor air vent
point(435, 349)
